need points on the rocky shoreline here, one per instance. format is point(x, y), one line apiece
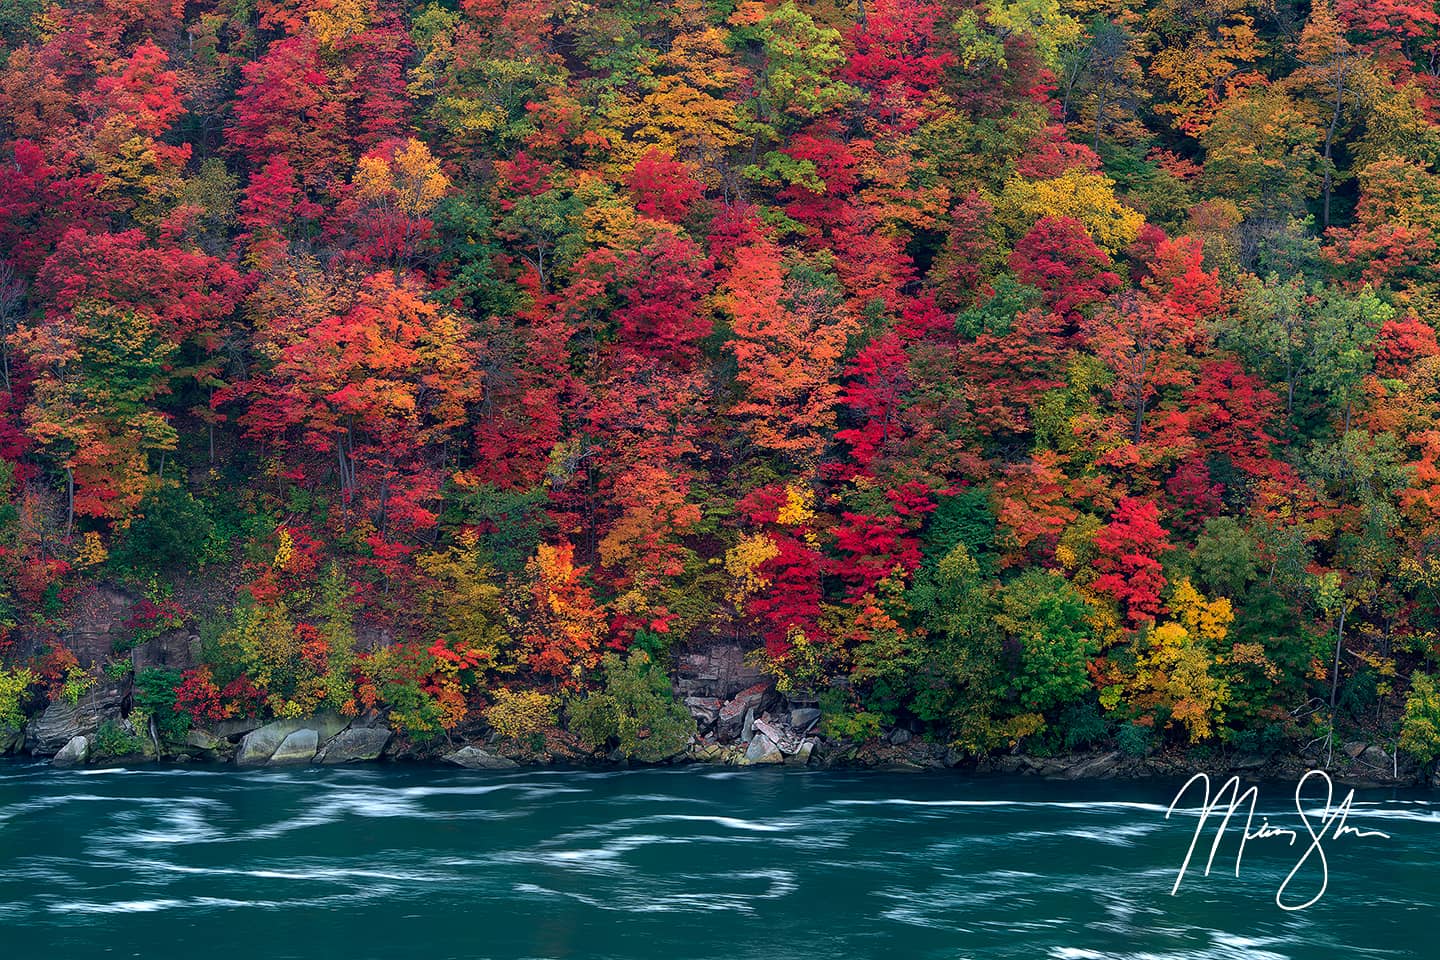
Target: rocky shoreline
point(750, 726)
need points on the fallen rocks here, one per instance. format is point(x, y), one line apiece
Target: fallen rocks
point(803, 718)
point(763, 750)
point(731, 720)
point(705, 710)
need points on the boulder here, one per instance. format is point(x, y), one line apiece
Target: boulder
point(62, 722)
point(202, 740)
point(355, 745)
point(299, 747)
point(262, 744)
point(803, 718)
point(473, 758)
point(1376, 757)
point(747, 729)
point(704, 710)
point(1354, 748)
point(75, 752)
point(763, 750)
point(807, 747)
point(731, 719)
point(899, 735)
point(1091, 768)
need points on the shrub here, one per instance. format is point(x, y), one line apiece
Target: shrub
point(516, 715)
point(13, 686)
point(1420, 729)
point(115, 740)
point(635, 709)
point(155, 695)
point(1135, 740)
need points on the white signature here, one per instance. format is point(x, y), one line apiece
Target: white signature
point(1331, 822)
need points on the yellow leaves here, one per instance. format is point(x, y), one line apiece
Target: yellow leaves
point(799, 506)
point(336, 20)
point(92, 550)
point(1208, 620)
point(410, 181)
point(1199, 74)
point(1086, 197)
point(742, 563)
point(521, 713)
point(285, 551)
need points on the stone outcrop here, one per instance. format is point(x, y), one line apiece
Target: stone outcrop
point(719, 672)
point(62, 722)
point(355, 745)
point(298, 747)
point(260, 746)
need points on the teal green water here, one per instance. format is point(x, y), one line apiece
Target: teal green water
point(385, 862)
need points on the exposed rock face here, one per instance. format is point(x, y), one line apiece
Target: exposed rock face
point(76, 751)
point(177, 649)
point(354, 745)
point(259, 746)
point(720, 672)
point(62, 722)
point(299, 747)
point(473, 758)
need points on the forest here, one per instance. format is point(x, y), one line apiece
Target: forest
point(1032, 374)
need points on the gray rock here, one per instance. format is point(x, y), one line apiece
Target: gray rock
point(230, 729)
point(202, 740)
point(1354, 748)
point(704, 710)
point(1101, 767)
point(899, 735)
point(355, 745)
point(11, 739)
point(953, 757)
point(473, 758)
point(299, 747)
point(747, 730)
point(720, 672)
point(1249, 761)
point(763, 750)
point(260, 745)
point(1376, 757)
point(803, 718)
point(62, 722)
point(731, 719)
point(807, 747)
point(77, 751)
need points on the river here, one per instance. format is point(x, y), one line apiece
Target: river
point(211, 863)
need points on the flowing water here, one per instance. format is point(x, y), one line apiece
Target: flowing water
point(391, 862)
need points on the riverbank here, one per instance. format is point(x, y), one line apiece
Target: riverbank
point(754, 727)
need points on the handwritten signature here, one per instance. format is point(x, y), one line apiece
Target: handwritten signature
point(1332, 823)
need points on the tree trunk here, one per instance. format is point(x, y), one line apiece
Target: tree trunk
point(1335, 686)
